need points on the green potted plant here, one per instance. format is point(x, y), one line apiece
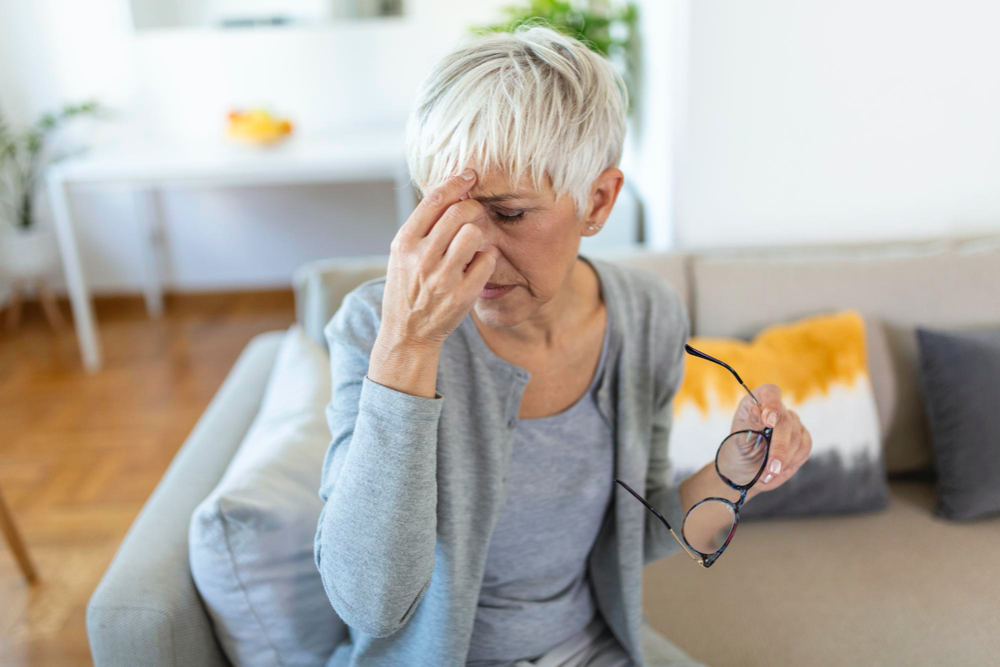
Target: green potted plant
point(26, 251)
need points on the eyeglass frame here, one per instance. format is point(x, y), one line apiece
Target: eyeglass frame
point(706, 560)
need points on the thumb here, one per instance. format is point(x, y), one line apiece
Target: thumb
point(770, 414)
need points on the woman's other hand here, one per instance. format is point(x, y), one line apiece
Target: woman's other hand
point(791, 442)
point(436, 270)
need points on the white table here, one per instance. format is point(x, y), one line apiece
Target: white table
point(371, 155)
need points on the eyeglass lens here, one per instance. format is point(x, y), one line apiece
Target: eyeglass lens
point(740, 458)
point(708, 524)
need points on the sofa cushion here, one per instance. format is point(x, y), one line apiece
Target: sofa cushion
point(960, 376)
point(821, 365)
point(251, 539)
point(897, 587)
point(945, 283)
point(671, 266)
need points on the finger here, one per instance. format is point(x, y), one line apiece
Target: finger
point(793, 470)
point(794, 445)
point(480, 269)
point(804, 451)
point(770, 414)
point(781, 446)
point(805, 448)
point(436, 202)
point(456, 215)
point(745, 413)
point(769, 397)
point(462, 248)
point(802, 435)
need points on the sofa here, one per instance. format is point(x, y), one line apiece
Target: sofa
point(894, 586)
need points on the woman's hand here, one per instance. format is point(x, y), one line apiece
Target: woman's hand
point(436, 270)
point(790, 441)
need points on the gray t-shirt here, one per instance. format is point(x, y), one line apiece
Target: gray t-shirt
point(535, 591)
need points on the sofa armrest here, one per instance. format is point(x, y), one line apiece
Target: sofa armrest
point(320, 287)
point(146, 609)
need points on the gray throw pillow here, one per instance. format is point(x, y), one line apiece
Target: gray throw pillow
point(960, 376)
point(251, 540)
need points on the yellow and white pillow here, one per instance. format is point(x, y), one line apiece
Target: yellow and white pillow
point(821, 365)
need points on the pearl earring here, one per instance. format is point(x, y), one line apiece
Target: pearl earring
point(593, 227)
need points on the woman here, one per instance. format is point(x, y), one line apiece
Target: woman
point(490, 387)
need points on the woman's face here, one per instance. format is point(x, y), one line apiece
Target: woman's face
point(535, 239)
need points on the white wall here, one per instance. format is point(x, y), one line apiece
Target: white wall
point(181, 84)
point(854, 120)
point(657, 123)
point(777, 121)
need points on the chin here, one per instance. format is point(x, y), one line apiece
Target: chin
point(494, 314)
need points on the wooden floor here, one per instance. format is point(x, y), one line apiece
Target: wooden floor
point(80, 453)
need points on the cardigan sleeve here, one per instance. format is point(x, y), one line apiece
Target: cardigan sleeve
point(675, 326)
point(377, 531)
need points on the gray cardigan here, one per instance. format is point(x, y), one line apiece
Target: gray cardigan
point(412, 486)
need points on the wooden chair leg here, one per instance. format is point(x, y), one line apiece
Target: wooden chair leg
point(16, 544)
point(14, 307)
point(49, 305)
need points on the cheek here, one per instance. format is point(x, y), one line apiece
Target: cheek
point(540, 252)
point(549, 232)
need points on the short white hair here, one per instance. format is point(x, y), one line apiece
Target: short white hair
point(530, 102)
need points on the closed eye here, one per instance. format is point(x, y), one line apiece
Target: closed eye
point(508, 217)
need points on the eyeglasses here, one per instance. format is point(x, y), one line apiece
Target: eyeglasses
point(710, 524)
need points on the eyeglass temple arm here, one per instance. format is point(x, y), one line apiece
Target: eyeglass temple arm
point(660, 517)
point(699, 353)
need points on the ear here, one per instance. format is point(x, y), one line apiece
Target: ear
point(603, 194)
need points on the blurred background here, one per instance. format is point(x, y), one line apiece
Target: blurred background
point(168, 165)
point(761, 123)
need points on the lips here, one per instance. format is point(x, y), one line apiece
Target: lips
point(493, 291)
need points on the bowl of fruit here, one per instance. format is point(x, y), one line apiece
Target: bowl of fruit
point(257, 126)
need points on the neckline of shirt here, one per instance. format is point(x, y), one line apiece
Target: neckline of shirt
point(591, 388)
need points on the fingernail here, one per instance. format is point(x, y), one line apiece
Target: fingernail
point(771, 418)
point(468, 174)
point(775, 466)
point(767, 478)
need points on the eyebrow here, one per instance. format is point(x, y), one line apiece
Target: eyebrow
point(493, 199)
